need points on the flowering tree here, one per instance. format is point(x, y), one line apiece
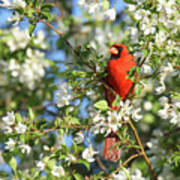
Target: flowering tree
point(44, 133)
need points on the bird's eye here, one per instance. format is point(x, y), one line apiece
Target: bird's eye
point(119, 50)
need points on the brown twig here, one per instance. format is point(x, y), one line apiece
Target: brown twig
point(100, 164)
point(142, 149)
point(79, 56)
point(65, 40)
point(70, 126)
point(59, 33)
point(126, 162)
point(131, 158)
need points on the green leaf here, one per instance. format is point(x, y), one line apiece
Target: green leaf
point(145, 52)
point(13, 164)
point(74, 120)
point(78, 176)
point(31, 28)
point(78, 73)
point(138, 89)
point(105, 4)
point(117, 101)
point(31, 114)
point(47, 15)
point(30, 12)
point(127, 173)
point(48, 6)
point(177, 160)
point(102, 105)
point(82, 161)
point(3, 174)
point(51, 163)
point(18, 117)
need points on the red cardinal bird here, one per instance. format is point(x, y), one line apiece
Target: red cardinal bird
point(118, 66)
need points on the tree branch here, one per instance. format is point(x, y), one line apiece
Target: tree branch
point(142, 149)
point(70, 126)
point(78, 55)
point(126, 162)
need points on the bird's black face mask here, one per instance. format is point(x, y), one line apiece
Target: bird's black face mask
point(115, 56)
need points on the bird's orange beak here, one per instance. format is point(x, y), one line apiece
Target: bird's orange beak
point(113, 50)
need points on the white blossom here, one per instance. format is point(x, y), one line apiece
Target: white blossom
point(32, 70)
point(120, 176)
point(148, 25)
point(19, 40)
point(170, 110)
point(167, 68)
point(138, 54)
point(88, 154)
point(40, 39)
point(149, 144)
point(126, 110)
point(163, 113)
point(63, 96)
point(176, 103)
point(146, 69)
point(137, 175)
point(166, 6)
point(7, 130)
point(98, 118)
point(25, 148)
point(135, 114)
point(58, 171)
point(141, 13)
point(9, 119)
point(157, 133)
point(70, 159)
point(46, 148)
point(107, 124)
point(175, 118)
point(131, 7)
point(14, 67)
point(160, 38)
point(134, 34)
point(21, 128)
point(10, 144)
point(134, 174)
point(97, 10)
point(41, 165)
point(110, 14)
point(11, 4)
point(90, 6)
point(114, 116)
point(16, 18)
point(163, 100)
point(79, 138)
point(171, 46)
point(147, 105)
point(112, 121)
point(160, 89)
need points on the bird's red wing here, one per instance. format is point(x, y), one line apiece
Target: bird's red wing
point(117, 74)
